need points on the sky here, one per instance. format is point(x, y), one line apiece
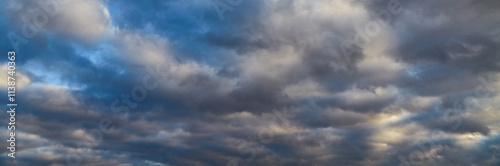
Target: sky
point(253, 82)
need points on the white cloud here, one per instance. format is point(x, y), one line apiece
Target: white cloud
point(82, 20)
point(51, 97)
point(20, 79)
point(270, 64)
point(85, 20)
point(153, 51)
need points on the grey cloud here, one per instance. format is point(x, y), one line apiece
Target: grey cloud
point(225, 78)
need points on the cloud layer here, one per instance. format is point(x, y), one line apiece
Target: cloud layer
point(277, 82)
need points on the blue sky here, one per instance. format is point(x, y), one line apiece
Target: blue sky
point(262, 82)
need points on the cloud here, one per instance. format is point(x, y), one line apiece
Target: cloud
point(83, 21)
point(20, 79)
point(275, 83)
point(53, 98)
